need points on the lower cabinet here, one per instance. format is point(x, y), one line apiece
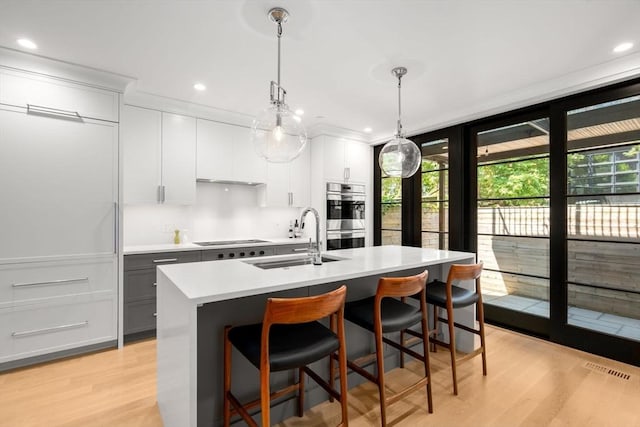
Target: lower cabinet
point(140, 290)
point(140, 280)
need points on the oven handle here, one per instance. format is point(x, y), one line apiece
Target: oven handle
point(345, 197)
point(331, 235)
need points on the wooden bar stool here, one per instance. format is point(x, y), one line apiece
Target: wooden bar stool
point(383, 313)
point(290, 337)
point(449, 296)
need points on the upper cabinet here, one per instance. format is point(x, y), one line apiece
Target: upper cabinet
point(225, 153)
point(288, 184)
point(344, 160)
point(159, 157)
point(42, 95)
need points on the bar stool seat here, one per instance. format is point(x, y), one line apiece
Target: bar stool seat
point(290, 346)
point(460, 297)
point(395, 315)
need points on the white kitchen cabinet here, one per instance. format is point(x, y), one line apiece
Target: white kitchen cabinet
point(63, 98)
point(288, 184)
point(214, 150)
point(159, 157)
point(225, 153)
point(345, 160)
point(58, 251)
point(247, 165)
point(178, 159)
point(60, 185)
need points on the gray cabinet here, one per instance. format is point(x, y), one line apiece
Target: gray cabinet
point(295, 248)
point(140, 289)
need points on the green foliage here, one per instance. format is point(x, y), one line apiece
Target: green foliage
point(529, 178)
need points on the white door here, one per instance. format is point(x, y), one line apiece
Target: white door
point(179, 159)
point(247, 165)
point(214, 150)
point(141, 158)
point(300, 179)
point(333, 150)
point(59, 185)
point(358, 161)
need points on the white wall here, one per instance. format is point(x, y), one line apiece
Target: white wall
point(221, 212)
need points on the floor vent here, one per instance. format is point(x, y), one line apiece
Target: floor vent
point(605, 370)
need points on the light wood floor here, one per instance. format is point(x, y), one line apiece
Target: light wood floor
point(530, 383)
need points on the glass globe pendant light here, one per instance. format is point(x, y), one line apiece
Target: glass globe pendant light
point(277, 133)
point(400, 156)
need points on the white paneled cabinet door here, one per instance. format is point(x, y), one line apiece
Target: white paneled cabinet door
point(300, 179)
point(333, 149)
point(277, 188)
point(178, 159)
point(358, 159)
point(214, 150)
point(141, 142)
point(247, 165)
point(59, 186)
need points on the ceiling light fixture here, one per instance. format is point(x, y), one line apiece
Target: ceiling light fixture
point(27, 44)
point(277, 134)
point(299, 112)
point(622, 47)
point(399, 157)
point(200, 87)
point(367, 130)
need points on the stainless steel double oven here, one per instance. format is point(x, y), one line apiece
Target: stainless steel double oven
point(345, 216)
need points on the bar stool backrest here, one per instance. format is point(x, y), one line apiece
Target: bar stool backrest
point(464, 272)
point(304, 309)
point(401, 286)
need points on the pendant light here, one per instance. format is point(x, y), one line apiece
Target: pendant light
point(277, 133)
point(400, 156)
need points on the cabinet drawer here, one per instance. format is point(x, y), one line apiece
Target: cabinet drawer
point(136, 262)
point(65, 98)
point(34, 282)
point(139, 316)
point(38, 329)
point(291, 249)
point(233, 253)
point(139, 284)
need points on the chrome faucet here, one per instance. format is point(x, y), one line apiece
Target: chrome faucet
point(313, 251)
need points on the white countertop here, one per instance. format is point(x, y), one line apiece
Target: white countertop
point(170, 247)
point(213, 281)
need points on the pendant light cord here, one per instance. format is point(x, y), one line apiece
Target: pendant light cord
point(279, 37)
point(399, 130)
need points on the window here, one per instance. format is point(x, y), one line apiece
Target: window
point(435, 194)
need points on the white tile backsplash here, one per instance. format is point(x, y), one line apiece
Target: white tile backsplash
point(221, 212)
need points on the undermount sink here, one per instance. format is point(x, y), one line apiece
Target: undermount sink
point(289, 262)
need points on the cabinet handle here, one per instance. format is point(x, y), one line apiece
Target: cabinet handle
point(116, 219)
point(47, 330)
point(159, 195)
point(301, 250)
point(348, 171)
point(39, 109)
point(155, 284)
point(50, 282)
point(164, 194)
point(165, 260)
point(155, 314)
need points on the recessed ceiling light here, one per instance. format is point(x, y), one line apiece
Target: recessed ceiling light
point(297, 118)
point(27, 44)
point(367, 130)
point(199, 86)
point(622, 47)
point(299, 112)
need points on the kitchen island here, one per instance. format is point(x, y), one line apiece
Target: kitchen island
point(195, 302)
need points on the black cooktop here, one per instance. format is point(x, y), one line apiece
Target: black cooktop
point(230, 242)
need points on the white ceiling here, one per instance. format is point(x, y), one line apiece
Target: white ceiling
point(466, 58)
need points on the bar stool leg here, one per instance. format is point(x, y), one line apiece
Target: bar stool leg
point(404, 299)
point(301, 391)
point(380, 363)
point(452, 347)
point(343, 373)
point(436, 311)
point(265, 392)
point(427, 364)
point(332, 362)
point(482, 341)
point(226, 412)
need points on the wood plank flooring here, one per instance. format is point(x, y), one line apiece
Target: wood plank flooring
point(530, 383)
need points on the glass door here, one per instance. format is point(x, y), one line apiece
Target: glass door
point(512, 222)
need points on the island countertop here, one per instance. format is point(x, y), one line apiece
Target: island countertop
point(214, 281)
